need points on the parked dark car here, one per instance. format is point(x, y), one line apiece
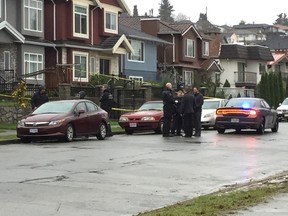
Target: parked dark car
point(64, 120)
point(246, 113)
point(148, 117)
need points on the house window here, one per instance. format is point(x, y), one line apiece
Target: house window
point(81, 21)
point(188, 78)
point(93, 65)
point(205, 48)
point(80, 72)
point(105, 66)
point(1, 8)
point(6, 60)
point(262, 68)
point(111, 21)
point(33, 63)
point(190, 48)
point(138, 47)
point(33, 15)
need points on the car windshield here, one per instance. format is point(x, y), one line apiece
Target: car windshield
point(54, 107)
point(285, 102)
point(244, 103)
point(151, 106)
point(210, 104)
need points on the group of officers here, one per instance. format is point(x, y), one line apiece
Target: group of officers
point(182, 111)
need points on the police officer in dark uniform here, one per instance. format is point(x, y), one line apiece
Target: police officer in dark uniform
point(168, 109)
point(177, 118)
point(187, 111)
point(197, 111)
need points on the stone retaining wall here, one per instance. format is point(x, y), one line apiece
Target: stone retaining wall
point(11, 114)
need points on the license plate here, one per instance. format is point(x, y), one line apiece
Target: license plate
point(132, 124)
point(234, 120)
point(33, 130)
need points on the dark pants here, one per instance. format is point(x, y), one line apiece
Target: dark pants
point(197, 122)
point(177, 124)
point(167, 121)
point(188, 124)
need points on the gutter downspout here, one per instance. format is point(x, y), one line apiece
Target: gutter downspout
point(54, 30)
point(173, 50)
point(5, 10)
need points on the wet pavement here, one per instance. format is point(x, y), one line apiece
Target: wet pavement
point(124, 175)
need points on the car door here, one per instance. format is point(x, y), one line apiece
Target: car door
point(266, 110)
point(94, 117)
point(81, 119)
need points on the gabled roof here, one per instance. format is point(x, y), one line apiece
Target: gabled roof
point(116, 44)
point(12, 31)
point(164, 27)
point(133, 33)
point(211, 64)
point(278, 57)
point(122, 4)
point(249, 52)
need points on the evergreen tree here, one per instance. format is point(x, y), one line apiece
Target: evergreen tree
point(282, 19)
point(135, 11)
point(226, 84)
point(271, 89)
point(281, 87)
point(166, 10)
point(276, 89)
point(286, 91)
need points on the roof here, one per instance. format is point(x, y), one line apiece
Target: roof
point(205, 26)
point(211, 64)
point(276, 41)
point(278, 57)
point(12, 31)
point(136, 34)
point(249, 52)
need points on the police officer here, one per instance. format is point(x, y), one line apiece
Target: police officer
point(168, 109)
point(187, 111)
point(197, 111)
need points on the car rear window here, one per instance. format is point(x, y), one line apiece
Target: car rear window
point(210, 104)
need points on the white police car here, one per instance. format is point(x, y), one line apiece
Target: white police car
point(282, 110)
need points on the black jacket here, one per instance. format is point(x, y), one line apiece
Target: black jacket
point(168, 102)
point(198, 102)
point(38, 99)
point(187, 104)
point(106, 100)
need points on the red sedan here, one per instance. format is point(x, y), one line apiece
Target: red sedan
point(64, 120)
point(148, 117)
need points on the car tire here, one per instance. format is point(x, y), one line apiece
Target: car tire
point(238, 130)
point(159, 129)
point(221, 130)
point(276, 126)
point(101, 135)
point(69, 133)
point(129, 131)
point(261, 129)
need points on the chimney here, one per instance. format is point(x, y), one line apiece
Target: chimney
point(150, 26)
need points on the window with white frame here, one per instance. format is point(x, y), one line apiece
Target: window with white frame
point(205, 48)
point(81, 21)
point(6, 60)
point(33, 15)
point(92, 65)
point(111, 20)
point(189, 48)
point(138, 47)
point(80, 60)
point(188, 78)
point(33, 62)
point(137, 80)
point(1, 8)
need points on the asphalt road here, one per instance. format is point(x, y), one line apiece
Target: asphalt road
point(125, 175)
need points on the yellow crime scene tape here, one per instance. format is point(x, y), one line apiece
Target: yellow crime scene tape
point(128, 110)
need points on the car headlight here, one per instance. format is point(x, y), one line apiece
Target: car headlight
point(123, 119)
point(147, 118)
point(21, 123)
point(56, 122)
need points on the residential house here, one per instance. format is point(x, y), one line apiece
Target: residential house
point(243, 64)
point(278, 44)
point(22, 43)
point(86, 37)
point(183, 58)
point(141, 65)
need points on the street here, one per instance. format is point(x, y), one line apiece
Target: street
point(125, 175)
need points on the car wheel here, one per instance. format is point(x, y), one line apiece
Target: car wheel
point(238, 130)
point(276, 126)
point(221, 130)
point(69, 134)
point(102, 131)
point(160, 127)
point(129, 131)
point(25, 140)
point(261, 128)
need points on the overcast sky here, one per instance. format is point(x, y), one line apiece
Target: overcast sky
point(219, 12)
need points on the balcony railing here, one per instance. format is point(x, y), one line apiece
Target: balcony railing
point(243, 78)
